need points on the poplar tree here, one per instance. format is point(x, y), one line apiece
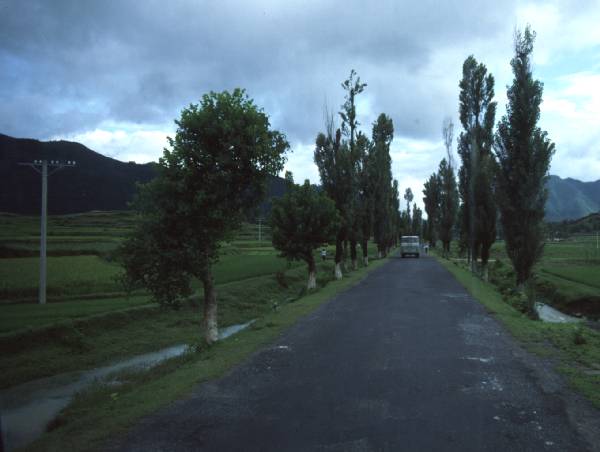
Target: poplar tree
point(353, 87)
point(476, 175)
point(448, 204)
point(431, 199)
point(380, 171)
point(417, 220)
point(408, 197)
point(364, 207)
point(336, 169)
point(524, 153)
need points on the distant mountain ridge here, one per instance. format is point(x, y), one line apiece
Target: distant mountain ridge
point(97, 182)
point(570, 199)
point(103, 183)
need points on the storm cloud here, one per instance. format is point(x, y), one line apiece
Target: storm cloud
point(70, 68)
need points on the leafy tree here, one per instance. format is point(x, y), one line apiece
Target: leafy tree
point(363, 211)
point(303, 220)
point(395, 207)
point(353, 86)
point(431, 199)
point(214, 172)
point(448, 134)
point(408, 197)
point(524, 152)
point(336, 168)
point(448, 204)
point(476, 175)
point(417, 220)
point(380, 172)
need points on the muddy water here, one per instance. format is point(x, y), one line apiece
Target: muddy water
point(26, 410)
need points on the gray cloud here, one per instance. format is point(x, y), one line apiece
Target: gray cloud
point(69, 65)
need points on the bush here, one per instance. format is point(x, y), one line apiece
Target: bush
point(517, 300)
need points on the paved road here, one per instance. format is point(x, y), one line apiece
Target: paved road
point(406, 360)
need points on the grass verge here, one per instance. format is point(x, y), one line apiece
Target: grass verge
point(104, 412)
point(575, 346)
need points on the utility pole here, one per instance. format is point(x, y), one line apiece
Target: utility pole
point(259, 229)
point(41, 166)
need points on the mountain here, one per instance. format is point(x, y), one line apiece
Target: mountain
point(569, 199)
point(103, 183)
point(96, 182)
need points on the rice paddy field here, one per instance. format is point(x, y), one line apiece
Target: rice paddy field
point(90, 319)
point(567, 276)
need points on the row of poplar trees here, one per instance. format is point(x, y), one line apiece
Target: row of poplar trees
point(357, 199)
point(213, 175)
point(503, 173)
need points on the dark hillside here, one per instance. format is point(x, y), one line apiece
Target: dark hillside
point(96, 183)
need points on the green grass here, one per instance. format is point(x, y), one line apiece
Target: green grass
point(586, 274)
point(81, 334)
point(557, 340)
point(104, 412)
point(67, 275)
point(568, 274)
point(31, 316)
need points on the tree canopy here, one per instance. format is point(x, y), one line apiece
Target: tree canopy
point(303, 220)
point(213, 174)
point(524, 152)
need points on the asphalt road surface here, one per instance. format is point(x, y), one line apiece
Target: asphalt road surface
point(404, 361)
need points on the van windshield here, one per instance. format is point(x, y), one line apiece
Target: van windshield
point(410, 240)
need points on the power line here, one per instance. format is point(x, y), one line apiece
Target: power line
point(41, 166)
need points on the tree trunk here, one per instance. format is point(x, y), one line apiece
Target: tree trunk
point(312, 275)
point(338, 270)
point(365, 253)
point(211, 331)
point(345, 255)
point(353, 254)
point(339, 251)
point(485, 272)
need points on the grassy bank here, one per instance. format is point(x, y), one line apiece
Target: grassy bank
point(575, 347)
point(567, 276)
point(105, 412)
point(82, 334)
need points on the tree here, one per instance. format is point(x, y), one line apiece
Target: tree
point(332, 157)
point(417, 220)
point(213, 174)
point(431, 199)
point(408, 197)
point(448, 134)
point(353, 87)
point(448, 204)
point(476, 175)
point(303, 220)
point(524, 152)
point(363, 211)
point(380, 173)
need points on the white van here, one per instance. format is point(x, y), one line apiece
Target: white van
point(410, 245)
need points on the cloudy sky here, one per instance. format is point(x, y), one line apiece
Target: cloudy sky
point(114, 74)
